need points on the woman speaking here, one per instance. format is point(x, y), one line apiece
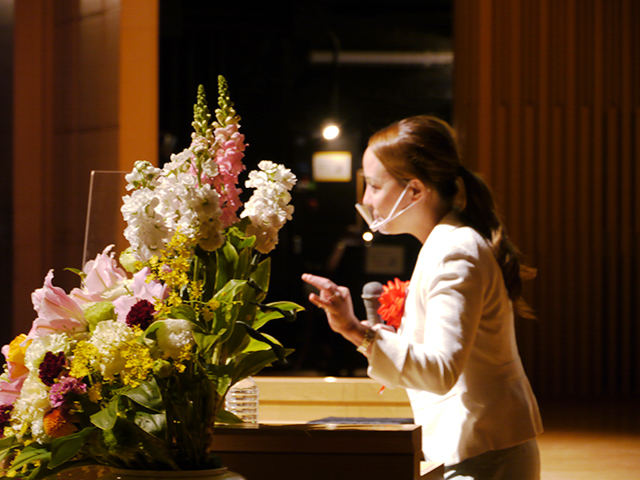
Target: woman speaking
point(455, 350)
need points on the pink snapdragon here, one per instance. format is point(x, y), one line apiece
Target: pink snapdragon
point(57, 311)
point(229, 155)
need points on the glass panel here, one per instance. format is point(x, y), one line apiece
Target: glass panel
point(105, 225)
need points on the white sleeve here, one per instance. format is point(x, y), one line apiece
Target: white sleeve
point(448, 306)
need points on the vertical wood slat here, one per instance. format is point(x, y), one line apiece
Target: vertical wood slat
point(32, 164)
point(612, 264)
point(636, 215)
point(565, 143)
point(598, 192)
point(585, 333)
point(626, 197)
point(544, 231)
point(555, 262)
point(569, 206)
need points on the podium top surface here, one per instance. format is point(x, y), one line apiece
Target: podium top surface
point(328, 438)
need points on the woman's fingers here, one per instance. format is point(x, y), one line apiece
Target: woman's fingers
point(329, 295)
point(328, 289)
point(335, 301)
point(321, 283)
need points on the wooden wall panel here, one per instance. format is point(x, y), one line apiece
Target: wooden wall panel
point(563, 158)
point(86, 88)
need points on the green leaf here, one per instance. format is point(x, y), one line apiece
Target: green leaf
point(183, 312)
point(244, 263)
point(274, 310)
point(230, 254)
point(255, 345)
point(254, 292)
point(224, 416)
point(8, 442)
point(262, 274)
point(147, 394)
point(220, 376)
point(253, 363)
point(238, 237)
point(67, 447)
point(227, 313)
point(152, 423)
point(31, 453)
point(205, 341)
point(237, 342)
point(227, 261)
point(106, 418)
point(278, 349)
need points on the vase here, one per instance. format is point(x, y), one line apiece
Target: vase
point(214, 474)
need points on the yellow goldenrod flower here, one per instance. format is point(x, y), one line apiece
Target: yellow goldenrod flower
point(138, 363)
point(85, 357)
point(95, 392)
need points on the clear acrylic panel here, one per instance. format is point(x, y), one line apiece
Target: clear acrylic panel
point(105, 225)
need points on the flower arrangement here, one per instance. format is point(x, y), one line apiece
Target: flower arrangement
point(392, 300)
point(130, 370)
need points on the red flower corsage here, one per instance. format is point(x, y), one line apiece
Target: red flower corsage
point(392, 302)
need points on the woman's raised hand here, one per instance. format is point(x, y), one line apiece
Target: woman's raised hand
point(336, 302)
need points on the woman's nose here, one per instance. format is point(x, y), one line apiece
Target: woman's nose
point(366, 197)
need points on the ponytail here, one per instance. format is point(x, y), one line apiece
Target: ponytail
point(480, 214)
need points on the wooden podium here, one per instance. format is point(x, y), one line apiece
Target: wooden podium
point(319, 452)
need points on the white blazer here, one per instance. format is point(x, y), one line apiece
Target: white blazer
point(456, 352)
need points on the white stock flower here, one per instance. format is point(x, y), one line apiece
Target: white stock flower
point(182, 198)
point(143, 175)
point(268, 208)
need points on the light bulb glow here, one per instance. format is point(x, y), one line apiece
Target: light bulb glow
point(367, 236)
point(330, 132)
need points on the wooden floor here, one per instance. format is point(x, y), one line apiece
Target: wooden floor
point(589, 441)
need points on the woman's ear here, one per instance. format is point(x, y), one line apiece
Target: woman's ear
point(418, 190)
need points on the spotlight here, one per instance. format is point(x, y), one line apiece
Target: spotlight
point(367, 236)
point(330, 132)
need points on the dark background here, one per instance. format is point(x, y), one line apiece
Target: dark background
point(284, 97)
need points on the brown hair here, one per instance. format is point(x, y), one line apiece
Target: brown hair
point(425, 148)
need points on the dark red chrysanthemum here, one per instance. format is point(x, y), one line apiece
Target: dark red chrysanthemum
point(141, 314)
point(392, 302)
point(51, 367)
